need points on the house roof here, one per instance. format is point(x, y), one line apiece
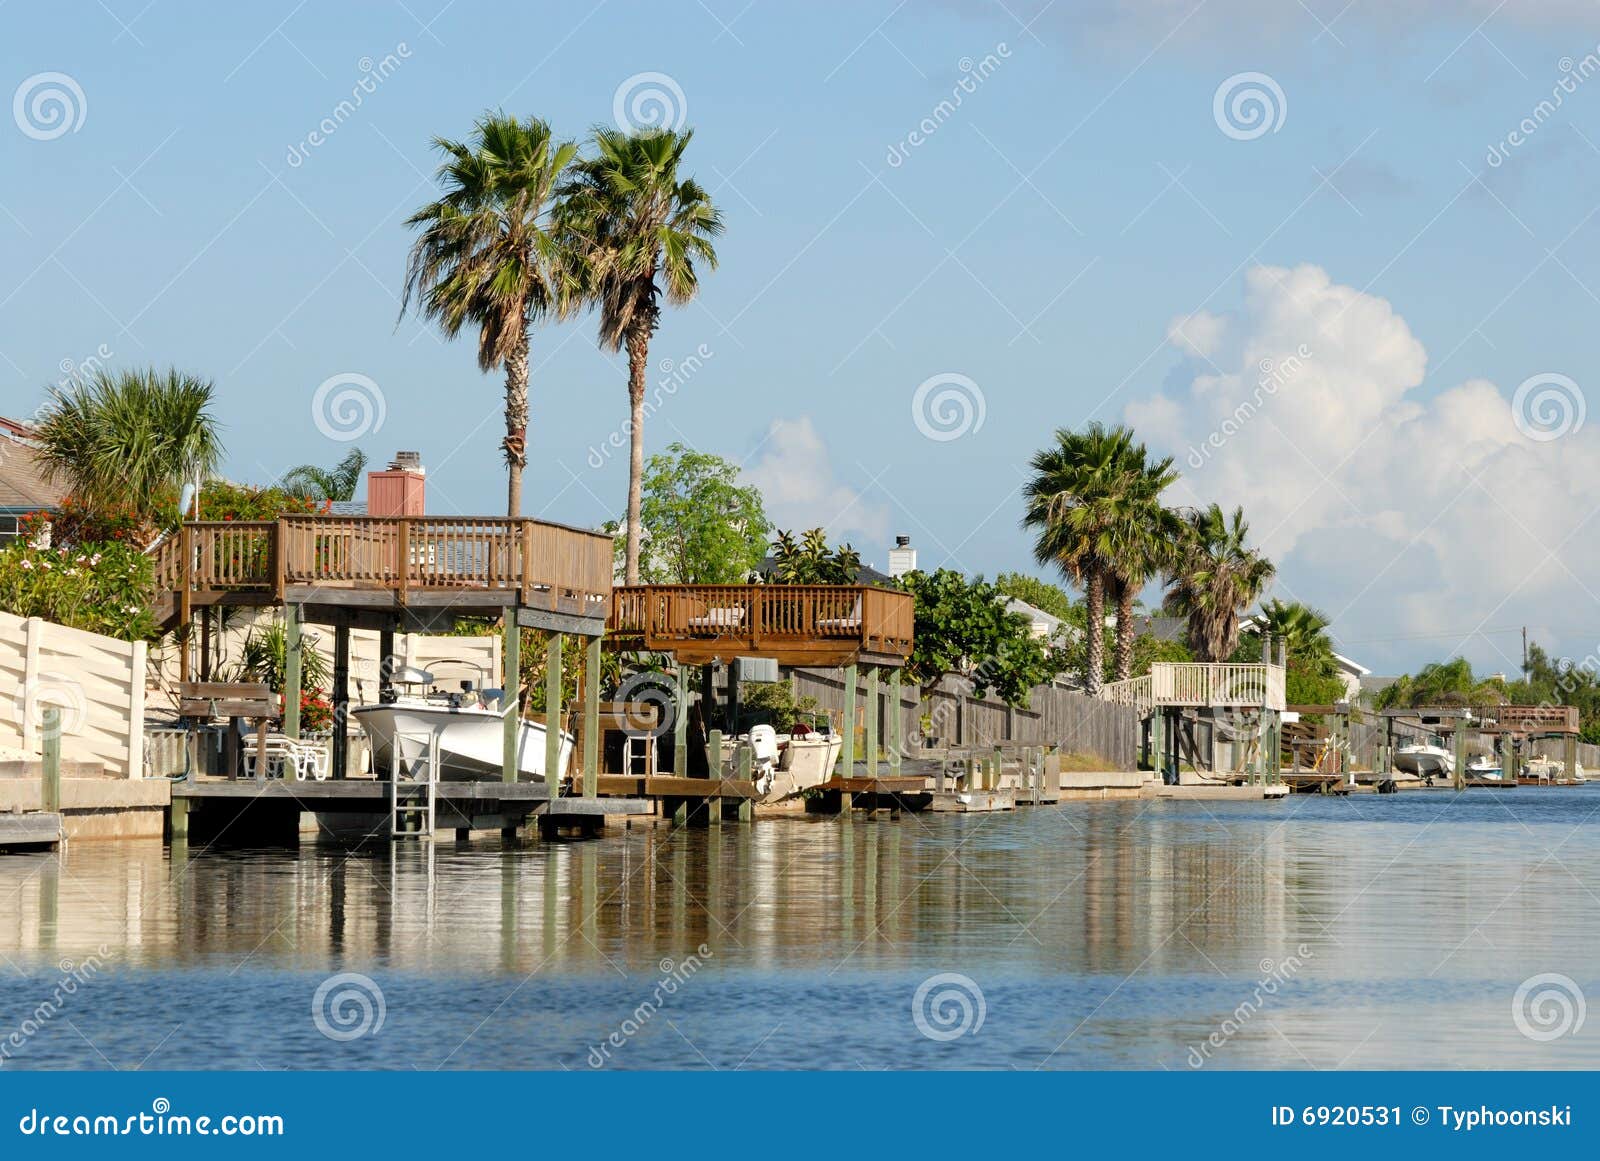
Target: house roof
point(1035, 614)
point(23, 486)
point(865, 575)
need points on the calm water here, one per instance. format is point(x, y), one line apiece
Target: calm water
point(1365, 932)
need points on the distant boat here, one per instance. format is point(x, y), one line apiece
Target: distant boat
point(1482, 767)
point(1425, 760)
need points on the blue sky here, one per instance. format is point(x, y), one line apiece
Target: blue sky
point(1041, 242)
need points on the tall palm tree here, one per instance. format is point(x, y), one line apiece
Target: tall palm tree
point(1144, 540)
point(318, 483)
point(1215, 577)
point(1443, 683)
point(126, 441)
point(1077, 504)
point(485, 256)
point(1304, 631)
point(637, 229)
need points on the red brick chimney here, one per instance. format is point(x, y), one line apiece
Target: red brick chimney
point(398, 489)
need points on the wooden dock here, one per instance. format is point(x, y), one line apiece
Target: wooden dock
point(34, 828)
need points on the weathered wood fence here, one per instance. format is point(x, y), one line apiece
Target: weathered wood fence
point(951, 717)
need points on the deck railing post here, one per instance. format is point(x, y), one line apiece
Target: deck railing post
point(526, 580)
point(847, 753)
point(402, 552)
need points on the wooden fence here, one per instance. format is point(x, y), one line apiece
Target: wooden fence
point(1053, 717)
point(97, 682)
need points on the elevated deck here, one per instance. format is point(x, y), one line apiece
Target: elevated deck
point(386, 564)
point(820, 625)
point(1195, 684)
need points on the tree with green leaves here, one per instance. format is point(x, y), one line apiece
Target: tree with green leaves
point(1443, 683)
point(128, 441)
point(1144, 535)
point(636, 231)
point(705, 528)
point(963, 627)
point(809, 560)
point(486, 258)
point(1216, 575)
point(1041, 594)
point(314, 482)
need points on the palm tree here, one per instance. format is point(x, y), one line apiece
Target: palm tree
point(485, 256)
point(1216, 575)
point(636, 230)
point(1077, 502)
point(317, 483)
point(127, 441)
point(1144, 538)
point(1304, 631)
point(1443, 683)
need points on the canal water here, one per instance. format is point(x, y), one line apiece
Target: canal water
point(1421, 930)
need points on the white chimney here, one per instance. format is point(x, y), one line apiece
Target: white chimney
point(902, 557)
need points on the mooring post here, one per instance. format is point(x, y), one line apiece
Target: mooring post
point(874, 703)
point(511, 682)
point(1508, 759)
point(897, 725)
point(713, 754)
point(552, 715)
point(1569, 756)
point(680, 723)
point(1459, 744)
point(292, 668)
point(847, 755)
point(50, 781)
point(591, 718)
point(178, 816)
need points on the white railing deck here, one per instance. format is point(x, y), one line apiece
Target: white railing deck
point(1194, 683)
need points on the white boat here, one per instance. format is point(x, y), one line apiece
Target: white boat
point(802, 761)
point(1425, 760)
point(470, 736)
point(1483, 767)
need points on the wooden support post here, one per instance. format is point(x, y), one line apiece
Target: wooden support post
point(185, 598)
point(874, 703)
point(1459, 744)
point(680, 811)
point(1158, 744)
point(341, 698)
point(591, 718)
point(1508, 759)
point(714, 753)
point(50, 783)
point(747, 810)
point(510, 705)
point(680, 724)
point(178, 820)
point(847, 755)
point(897, 732)
point(552, 714)
point(293, 667)
point(1569, 756)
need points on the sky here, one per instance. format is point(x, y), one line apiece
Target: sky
point(1336, 257)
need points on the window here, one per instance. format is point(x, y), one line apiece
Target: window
point(9, 527)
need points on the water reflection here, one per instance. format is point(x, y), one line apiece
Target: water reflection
point(1129, 929)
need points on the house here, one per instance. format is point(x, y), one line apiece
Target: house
point(23, 487)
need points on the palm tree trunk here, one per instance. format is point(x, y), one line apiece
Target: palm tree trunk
point(516, 441)
point(1125, 595)
point(1095, 608)
point(638, 364)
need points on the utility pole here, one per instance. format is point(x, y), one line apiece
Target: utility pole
point(1524, 651)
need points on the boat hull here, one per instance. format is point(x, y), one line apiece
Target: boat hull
point(1424, 761)
point(471, 742)
point(806, 762)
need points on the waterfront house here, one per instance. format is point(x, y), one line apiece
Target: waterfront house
point(23, 487)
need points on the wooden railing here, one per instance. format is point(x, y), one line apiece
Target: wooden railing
point(765, 620)
point(549, 564)
point(1184, 683)
point(1528, 719)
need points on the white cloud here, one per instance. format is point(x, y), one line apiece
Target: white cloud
point(797, 482)
point(1400, 513)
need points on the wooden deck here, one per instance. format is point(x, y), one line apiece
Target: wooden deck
point(1193, 684)
point(812, 625)
point(385, 563)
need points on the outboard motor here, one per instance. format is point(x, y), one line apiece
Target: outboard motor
point(763, 756)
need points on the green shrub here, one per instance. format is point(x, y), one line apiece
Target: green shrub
point(103, 588)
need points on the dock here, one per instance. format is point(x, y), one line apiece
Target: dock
point(35, 828)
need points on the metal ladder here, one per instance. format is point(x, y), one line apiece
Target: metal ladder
point(413, 786)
